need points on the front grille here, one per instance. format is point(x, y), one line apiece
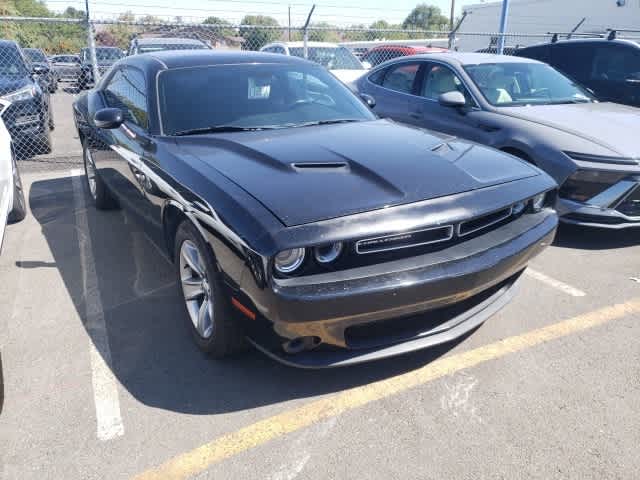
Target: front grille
point(631, 205)
point(405, 240)
point(480, 223)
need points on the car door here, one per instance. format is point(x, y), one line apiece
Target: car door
point(124, 163)
point(615, 73)
point(393, 90)
point(575, 60)
point(426, 110)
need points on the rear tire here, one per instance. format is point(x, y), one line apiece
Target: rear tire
point(98, 191)
point(19, 208)
point(207, 308)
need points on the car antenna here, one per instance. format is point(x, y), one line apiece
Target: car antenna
point(612, 34)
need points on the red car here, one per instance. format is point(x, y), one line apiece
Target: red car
point(382, 53)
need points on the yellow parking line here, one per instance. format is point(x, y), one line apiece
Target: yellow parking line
point(202, 458)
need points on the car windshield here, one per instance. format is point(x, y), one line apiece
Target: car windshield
point(103, 54)
point(333, 58)
point(34, 55)
point(517, 84)
point(11, 63)
point(158, 47)
point(65, 59)
point(254, 96)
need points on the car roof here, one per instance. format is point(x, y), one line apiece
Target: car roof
point(473, 58)
point(199, 58)
point(619, 41)
point(174, 40)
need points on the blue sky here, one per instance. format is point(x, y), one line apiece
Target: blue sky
point(341, 12)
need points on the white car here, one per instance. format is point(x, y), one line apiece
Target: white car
point(12, 202)
point(337, 59)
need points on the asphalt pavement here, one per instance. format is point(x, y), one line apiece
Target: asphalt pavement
point(101, 379)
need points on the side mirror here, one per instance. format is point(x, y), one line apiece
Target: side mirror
point(366, 65)
point(108, 118)
point(40, 70)
point(368, 99)
point(452, 99)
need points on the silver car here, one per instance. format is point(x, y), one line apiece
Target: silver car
point(526, 108)
point(68, 68)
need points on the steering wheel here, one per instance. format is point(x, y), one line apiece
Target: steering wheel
point(542, 92)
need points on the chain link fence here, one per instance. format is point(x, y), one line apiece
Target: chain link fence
point(46, 62)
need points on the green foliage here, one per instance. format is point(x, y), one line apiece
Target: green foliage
point(49, 36)
point(425, 17)
point(256, 38)
point(324, 33)
point(220, 29)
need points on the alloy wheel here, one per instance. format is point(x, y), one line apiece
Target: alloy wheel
point(196, 288)
point(90, 168)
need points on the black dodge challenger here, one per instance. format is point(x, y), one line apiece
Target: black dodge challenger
point(297, 220)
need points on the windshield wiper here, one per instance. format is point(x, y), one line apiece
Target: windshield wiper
point(217, 129)
point(327, 122)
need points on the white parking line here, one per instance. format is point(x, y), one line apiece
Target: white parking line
point(105, 387)
point(552, 282)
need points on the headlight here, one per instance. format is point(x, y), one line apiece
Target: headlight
point(586, 184)
point(289, 261)
point(25, 93)
point(518, 208)
point(327, 253)
point(537, 202)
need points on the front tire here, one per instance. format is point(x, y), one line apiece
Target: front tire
point(19, 209)
point(100, 194)
point(207, 307)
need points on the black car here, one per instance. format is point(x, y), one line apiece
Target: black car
point(287, 229)
point(105, 58)
point(37, 58)
point(609, 68)
point(28, 119)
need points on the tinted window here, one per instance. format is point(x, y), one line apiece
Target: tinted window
point(254, 96)
point(573, 59)
point(65, 59)
point(127, 90)
point(333, 58)
point(440, 79)
point(402, 77)
point(34, 55)
point(616, 63)
point(378, 76)
point(103, 54)
point(11, 62)
point(509, 84)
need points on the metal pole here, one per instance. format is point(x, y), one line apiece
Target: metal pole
point(289, 34)
point(453, 12)
point(306, 32)
point(503, 26)
point(91, 42)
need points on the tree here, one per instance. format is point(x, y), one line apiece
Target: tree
point(221, 28)
point(323, 33)
point(425, 17)
point(256, 38)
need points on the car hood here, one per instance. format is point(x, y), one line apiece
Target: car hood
point(12, 83)
point(609, 125)
point(308, 174)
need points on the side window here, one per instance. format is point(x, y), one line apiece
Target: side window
point(279, 50)
point(573, 59)
point(439, 79)
point(127, 90)
point(378, 76)
point(401, 78)
point(616, 64)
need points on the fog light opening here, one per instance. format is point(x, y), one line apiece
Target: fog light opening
point(301, 344)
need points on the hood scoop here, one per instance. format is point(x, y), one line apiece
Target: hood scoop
point(320, 166)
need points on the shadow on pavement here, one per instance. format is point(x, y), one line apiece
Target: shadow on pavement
point(575, 236)
point(153, 355)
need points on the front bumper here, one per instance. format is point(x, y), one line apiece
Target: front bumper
point(396, 307)
point(617, 207)
point(25, 119)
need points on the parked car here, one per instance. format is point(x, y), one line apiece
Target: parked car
point(337, 59)
point(382, 53)
point(340, 255)
point(12, 202)
point(37, 58)
point(67, 68)
point(528, 109)
point(28, 119)
point(105, 58)
point(158, 44)
point(609, 68)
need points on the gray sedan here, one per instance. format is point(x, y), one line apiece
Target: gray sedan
point(526, 108)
